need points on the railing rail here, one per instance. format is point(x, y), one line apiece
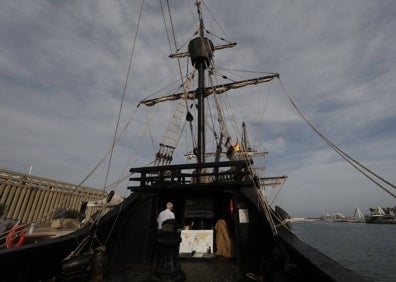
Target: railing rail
point(185, 174)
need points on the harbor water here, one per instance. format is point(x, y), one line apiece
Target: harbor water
point(367, 249)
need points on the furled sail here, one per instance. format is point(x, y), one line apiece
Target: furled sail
point(217, 89)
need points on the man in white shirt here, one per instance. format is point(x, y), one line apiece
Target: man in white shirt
point(165, 214)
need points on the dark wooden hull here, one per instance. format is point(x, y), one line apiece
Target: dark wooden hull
point(129, 233)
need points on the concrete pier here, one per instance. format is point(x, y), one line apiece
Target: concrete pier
point(35, 199)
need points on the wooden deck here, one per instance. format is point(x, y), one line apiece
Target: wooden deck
point(217, 269)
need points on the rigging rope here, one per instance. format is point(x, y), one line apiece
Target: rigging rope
point(344, 155)
point(89, 239)
point(173, 132)
point(109, 151)
point(217, 23)
point(223, 125)
point(178, 59)
point(123, 94)
point(166, 27)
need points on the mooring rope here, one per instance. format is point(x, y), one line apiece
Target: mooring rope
point(344, 155)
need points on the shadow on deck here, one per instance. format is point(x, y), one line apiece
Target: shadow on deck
point(217, 269)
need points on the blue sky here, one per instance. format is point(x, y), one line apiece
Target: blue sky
point(63, 66)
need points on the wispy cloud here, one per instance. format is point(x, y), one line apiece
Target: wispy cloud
point(63, 66)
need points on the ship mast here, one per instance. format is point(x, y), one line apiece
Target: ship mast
point(201, 52)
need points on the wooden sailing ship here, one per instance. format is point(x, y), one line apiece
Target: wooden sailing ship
point(220, 196)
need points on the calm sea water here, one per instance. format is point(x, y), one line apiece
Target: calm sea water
point(367, 249)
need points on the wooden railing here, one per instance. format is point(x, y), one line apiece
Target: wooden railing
point(189, 174)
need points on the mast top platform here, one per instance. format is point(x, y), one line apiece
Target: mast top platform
point(201, 51)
